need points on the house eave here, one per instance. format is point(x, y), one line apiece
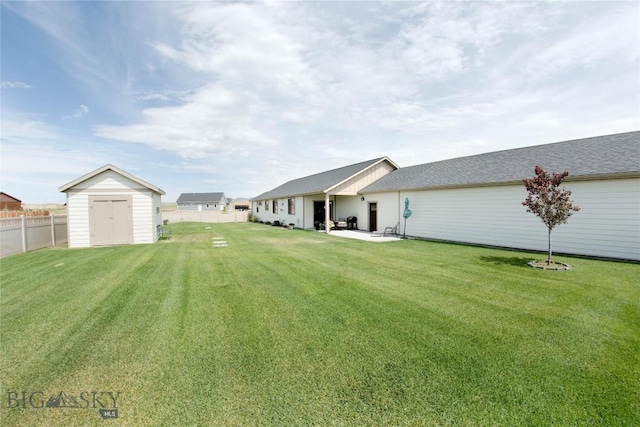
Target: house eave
point(580, 178)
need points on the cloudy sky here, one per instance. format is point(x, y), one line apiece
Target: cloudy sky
point(241, 97)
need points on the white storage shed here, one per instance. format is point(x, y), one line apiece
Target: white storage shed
point(112, 207)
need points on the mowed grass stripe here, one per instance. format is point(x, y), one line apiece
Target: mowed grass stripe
point(296, 328)
point(53, 316)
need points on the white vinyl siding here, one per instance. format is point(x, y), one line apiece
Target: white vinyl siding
point(282, 215)
point(143, 218)
point(607, 224)
point(78, 220)
point(308, 203)
point(109, 183)
point(387, 210)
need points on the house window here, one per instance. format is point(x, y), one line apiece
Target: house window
point(207, 204)
point(266, 206)
point(274, 206)
point(291, 204)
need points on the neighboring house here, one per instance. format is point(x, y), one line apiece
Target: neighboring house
point(111, 207)
point(322, 197)
point(477, 199)
point(9, 203)
point(202, 202)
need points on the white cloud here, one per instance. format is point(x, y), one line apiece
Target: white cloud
point(17, 129)
point(238, 43)
point(80, 112)
point(213, 120)
point(342, 80)
point(15, 85)
point(611, 36)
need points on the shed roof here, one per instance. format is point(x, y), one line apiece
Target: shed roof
point(321, 182)
point(105, 168)
point(600, 156)
point(8, 198)
point(200, 197)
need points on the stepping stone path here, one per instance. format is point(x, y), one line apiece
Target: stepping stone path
point(219, 242)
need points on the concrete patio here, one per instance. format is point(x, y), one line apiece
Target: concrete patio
point(365, 235)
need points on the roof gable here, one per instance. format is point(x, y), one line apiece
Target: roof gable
point(8, 198)
point(200, 197)
point(321, 182)
point(109, 167)
point(608, 155)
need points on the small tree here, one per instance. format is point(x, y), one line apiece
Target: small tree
point(547, 201)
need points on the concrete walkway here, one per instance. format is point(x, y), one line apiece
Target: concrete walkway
point(364, 235)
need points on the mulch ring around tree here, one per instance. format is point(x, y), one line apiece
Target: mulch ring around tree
point(551, 266)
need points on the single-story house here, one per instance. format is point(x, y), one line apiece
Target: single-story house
point(9, 203)
point(112, 207)
point(320, 198)
point(202, 202)
point(477, 199)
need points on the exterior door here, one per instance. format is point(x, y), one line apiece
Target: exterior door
point(373, 216)
point(110, 221)
point(319, 212)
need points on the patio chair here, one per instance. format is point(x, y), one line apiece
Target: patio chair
point(391, 230)
point(165, 233)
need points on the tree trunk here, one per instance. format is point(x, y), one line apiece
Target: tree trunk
point(549, 242)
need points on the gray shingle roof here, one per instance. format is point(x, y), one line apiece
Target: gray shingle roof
point(583, 158)
point(316, 183)
point(200, 198)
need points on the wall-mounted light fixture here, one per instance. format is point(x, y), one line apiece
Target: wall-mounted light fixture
point(362, 198)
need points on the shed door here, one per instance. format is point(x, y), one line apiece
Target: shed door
point(110, 221)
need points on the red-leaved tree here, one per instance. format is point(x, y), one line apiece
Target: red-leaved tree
point(548, 201)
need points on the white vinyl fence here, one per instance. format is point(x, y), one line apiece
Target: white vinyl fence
point(205, 216)
point(25, 233)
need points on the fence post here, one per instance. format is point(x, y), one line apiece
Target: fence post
point(53, 231)
point(24, 233)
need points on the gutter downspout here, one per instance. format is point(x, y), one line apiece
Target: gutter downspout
point(399, 198)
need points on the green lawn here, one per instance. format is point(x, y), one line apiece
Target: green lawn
point(289, 328)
